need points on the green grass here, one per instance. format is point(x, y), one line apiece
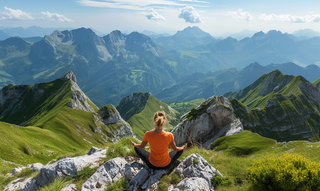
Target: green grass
point(243, 143)
point(119, 185)
point(184, 107)
point(82, 176)
point(58, 184)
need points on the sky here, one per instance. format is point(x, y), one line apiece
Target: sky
point(217, 17)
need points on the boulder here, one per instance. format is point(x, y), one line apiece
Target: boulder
point(36, 167)
point(107, 173)
point(207, 122)
point(194, 166)
point(194, 184)
point(25, 184)
point(68, 167)
point(69, 187)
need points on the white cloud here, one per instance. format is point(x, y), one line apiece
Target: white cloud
point(189, 14)
point(54, 17)
point(311, 18)
point(240, 15)
point(14, 14)
point(128, 4)
point(195, 1)
point(153, 15)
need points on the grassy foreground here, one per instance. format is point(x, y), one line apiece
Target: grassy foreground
point(233, 165)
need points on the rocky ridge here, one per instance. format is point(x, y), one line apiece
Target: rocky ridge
point(207, 122)
point(285, 112)
point(195, 173)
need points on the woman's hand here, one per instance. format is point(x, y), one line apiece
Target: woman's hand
point(132, 143)
point(185, 146)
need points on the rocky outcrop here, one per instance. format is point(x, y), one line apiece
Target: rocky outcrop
point(195, 173)
point(107, 173)
point(207, 122)
point(61, 168)
point(135, 98)
point(110, 116)
point(79, 100)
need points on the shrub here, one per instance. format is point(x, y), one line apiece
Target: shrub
point(219, 180)
point(289, 172)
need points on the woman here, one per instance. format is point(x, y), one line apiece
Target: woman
point(159, 141)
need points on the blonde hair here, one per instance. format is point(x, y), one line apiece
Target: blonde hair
point(159, 118)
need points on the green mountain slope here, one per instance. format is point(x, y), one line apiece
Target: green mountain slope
point(56, 118)
point(282, 107)
point(138, 110)
point(317, 83)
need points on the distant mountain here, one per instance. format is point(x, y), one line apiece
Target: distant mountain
point(283, 107)
point(108, 67)
point(243, 34)
point(306, 33)
point(3, 35)
point(30, 31)
point(272, 47)
point(219, 82)
point(138, 110)
point(33, 39)
point(186, 39)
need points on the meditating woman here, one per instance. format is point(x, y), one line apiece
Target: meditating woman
point(159, 141)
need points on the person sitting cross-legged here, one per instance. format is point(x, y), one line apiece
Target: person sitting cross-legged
point(159, 141)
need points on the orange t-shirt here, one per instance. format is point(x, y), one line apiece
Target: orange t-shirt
point(159, 144)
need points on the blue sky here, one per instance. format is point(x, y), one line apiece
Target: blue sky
point(214, 16)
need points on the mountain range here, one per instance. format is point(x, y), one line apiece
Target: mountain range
point(111, 67)
point(219, 82)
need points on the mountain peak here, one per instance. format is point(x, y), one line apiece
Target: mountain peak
point(69, 76)
point(258, 34)
point(194, 32)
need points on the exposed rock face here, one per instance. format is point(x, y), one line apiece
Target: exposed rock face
point(110, 116)
point(109, 172)
point(209, 121)
point(79, 100)
point(135, 98)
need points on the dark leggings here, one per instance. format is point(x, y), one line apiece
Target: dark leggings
point(144, 155)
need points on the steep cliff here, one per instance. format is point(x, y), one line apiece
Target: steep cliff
point(282, 107)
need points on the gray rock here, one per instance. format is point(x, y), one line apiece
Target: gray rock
point(188, 168)
point(17, 170)
point(139, 179)
point(207, 122)
point(19, 184)
point(194, 184)
point(36, 167)
point(153, 179)
point(93, 150)
point(107, 173)
point(67, 167)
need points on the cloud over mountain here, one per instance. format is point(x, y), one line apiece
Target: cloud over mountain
point(153, 15)
point(190, 15)
point(312, 18)
point(240, 15)
point(47, 16)
point(14, 14)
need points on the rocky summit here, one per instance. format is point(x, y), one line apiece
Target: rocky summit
point(207, 122)
point(195, 173)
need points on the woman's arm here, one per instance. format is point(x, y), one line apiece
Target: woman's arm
point(175, 148)
point(142, 145)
